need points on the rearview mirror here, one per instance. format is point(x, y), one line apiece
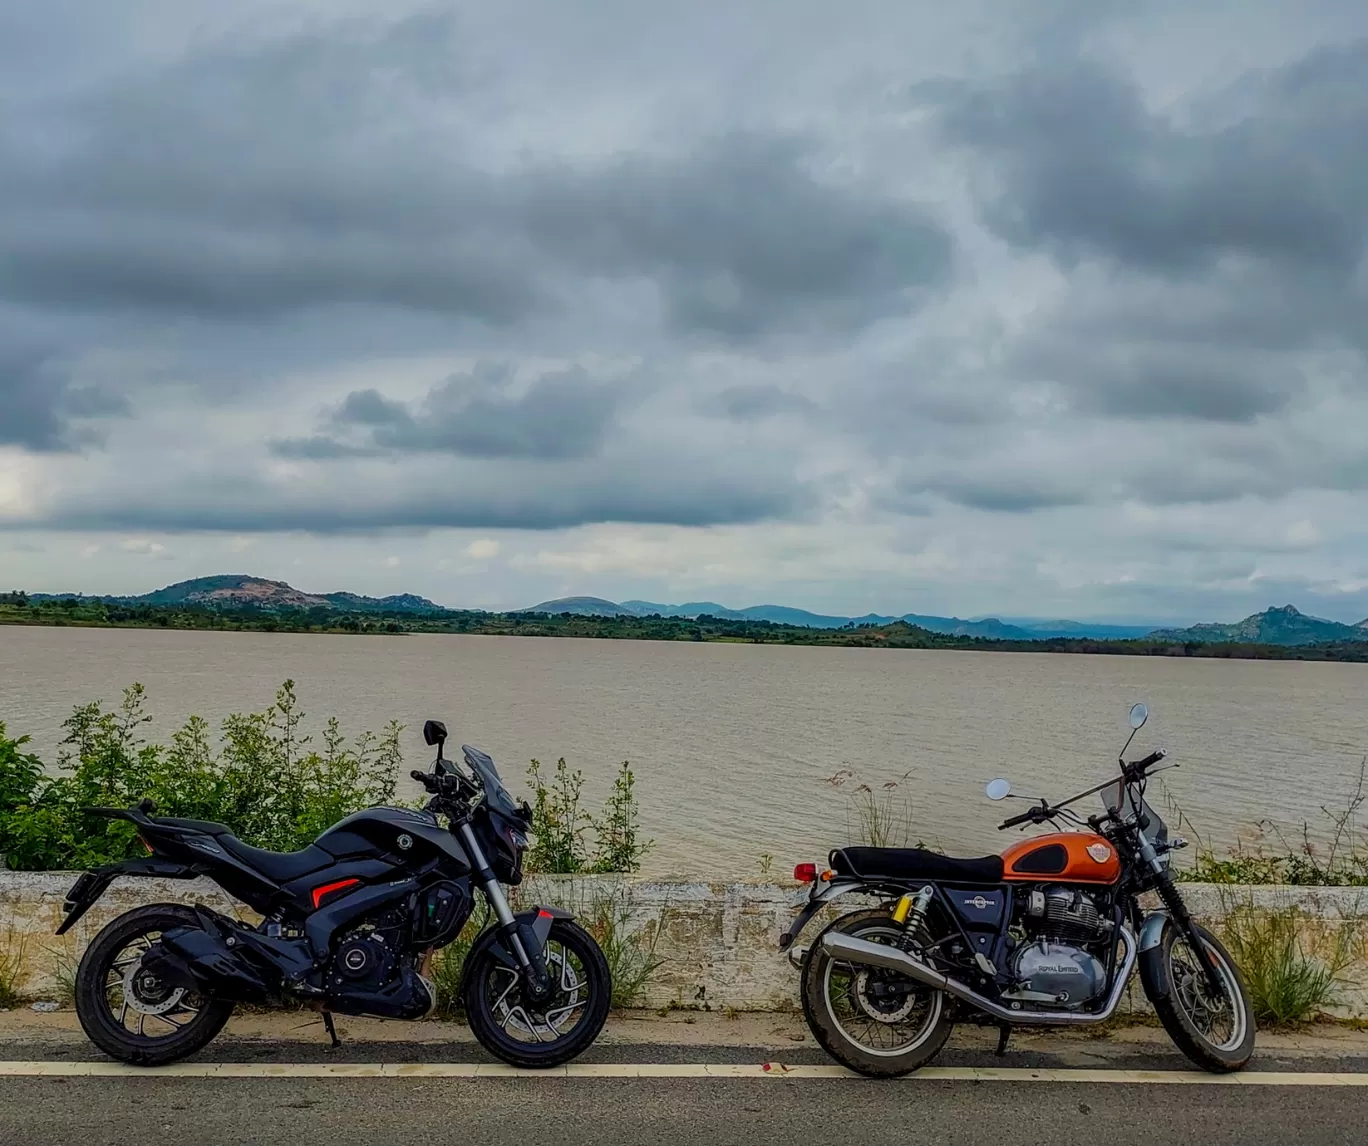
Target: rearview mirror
point(434, 732)
point(998, 789)
point(1139, 714)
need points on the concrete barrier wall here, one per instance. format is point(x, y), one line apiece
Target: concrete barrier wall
point(717, 942)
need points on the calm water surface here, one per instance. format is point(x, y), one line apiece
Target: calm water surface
point(732, 743)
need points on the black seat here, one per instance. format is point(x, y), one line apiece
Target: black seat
point(900, 864)
point(207, 826)
point(278, 867)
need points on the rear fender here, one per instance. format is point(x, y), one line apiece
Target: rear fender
point(816, 902)
point(86, 891)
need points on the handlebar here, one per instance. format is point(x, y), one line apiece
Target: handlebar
point(1036, 815)
point(1136, 771)
point(1040, 813)
point(444, 784)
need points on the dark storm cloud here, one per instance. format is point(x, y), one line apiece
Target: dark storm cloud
point(41, 408)
point(477, 414)
point(670, 493)
point(1023, 492)
point(1087, 168)
point(246, 182)
point(749, 403)
point(1126, 376)
point(1210, 259)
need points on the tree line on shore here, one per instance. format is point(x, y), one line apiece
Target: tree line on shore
point(17, 608)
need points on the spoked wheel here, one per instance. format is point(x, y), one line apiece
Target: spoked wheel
point(874, 1021)
point(552, 1031)
point(1214, 1029)
point(129, 1013)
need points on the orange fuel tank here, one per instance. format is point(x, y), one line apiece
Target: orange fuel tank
point(1069, 857)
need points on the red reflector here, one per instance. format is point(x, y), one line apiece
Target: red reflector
point(544, 914)
point(805, 873)
point(329, 888)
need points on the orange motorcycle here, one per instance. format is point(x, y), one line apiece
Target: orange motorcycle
point(1046, 934)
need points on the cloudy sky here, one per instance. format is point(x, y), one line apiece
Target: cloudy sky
point(1045, 309)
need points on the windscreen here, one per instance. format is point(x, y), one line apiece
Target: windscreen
point(483, 767)
point(1120, 800)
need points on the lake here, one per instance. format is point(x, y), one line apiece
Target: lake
point(732, 744)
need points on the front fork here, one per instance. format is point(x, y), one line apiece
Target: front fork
point(520, 938)
point(1167, 889)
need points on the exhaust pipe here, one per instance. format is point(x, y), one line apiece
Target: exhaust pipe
point(848, 949)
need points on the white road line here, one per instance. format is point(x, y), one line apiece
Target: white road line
point(662, 1070)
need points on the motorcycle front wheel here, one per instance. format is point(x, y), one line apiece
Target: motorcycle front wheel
point(553, 1031)
point(1215, 1031)
point(876, 1022)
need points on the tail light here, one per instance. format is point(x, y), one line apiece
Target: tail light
point(805, 873)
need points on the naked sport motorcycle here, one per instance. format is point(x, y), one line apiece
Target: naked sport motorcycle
point(1047, 933)
point(348, 924)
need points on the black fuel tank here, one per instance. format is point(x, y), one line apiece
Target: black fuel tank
point(394, 831)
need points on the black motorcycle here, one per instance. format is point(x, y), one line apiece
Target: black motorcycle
point(348, 925)
point(1045, 934)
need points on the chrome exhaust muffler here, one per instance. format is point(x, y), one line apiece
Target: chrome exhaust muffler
point(848, 949)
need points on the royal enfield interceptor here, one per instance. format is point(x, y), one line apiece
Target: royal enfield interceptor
point(347, 926)
point(1047, 933)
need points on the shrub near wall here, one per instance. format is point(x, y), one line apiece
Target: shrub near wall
point(268, 781)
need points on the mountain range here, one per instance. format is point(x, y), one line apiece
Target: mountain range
point(990, 627)
point(1284, 625)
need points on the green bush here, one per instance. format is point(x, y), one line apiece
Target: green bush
point(1288, 983)
point(560, 825)
point(265, 780)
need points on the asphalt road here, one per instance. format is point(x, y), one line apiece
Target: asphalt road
point(691, 1112)
point(821, 1107)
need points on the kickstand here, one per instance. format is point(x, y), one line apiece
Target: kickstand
point(1004, 1033)
point(332, 1030)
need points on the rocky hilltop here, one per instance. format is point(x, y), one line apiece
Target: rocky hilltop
point(1286, 625)
point(239, 590)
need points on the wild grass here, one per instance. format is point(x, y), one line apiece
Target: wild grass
point(879, 818)
point(1291, 977)
point(630, 954)
point(13, 966)
point(448, 966)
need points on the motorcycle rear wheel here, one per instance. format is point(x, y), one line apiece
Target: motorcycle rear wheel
point(874, 1022)
point(131, 1016)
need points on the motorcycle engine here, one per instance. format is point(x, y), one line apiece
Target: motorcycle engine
point(364, 960)
point(1055, 966)
point(372, 972)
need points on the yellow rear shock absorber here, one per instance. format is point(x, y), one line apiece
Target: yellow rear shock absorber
point(911, 910)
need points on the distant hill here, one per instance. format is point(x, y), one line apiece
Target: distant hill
point(784, 615)
point(1042, 630)
point(234, 590)
point(582, 607)
point(776, 614)
point(1277, 626)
